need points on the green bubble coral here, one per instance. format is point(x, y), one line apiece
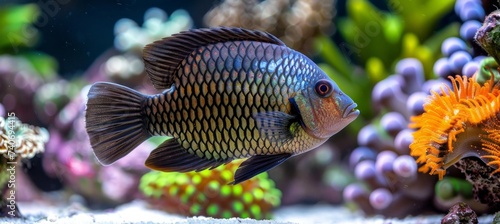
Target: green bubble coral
point(207, 193)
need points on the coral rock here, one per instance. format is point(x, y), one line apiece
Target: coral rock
point(486, 185)
point(460, 213)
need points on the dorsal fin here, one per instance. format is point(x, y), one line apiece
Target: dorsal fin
point(162, 57)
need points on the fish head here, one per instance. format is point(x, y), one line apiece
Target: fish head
point(323, 108)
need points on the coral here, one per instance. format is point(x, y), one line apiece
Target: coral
point(295, 22)
point(207, 193)
point(454, 120)
point(398, 54)
point(17, 141)
point(298, 23)
point(461, 122)
point(488, 67)
point(451, 190)
point(15, 20)
point(19, 81)
point(130, 37)
point(20, 35)
point(380, 37)
point(374, 41)
point(389, 182)
point(496, 219)
point(460, 213)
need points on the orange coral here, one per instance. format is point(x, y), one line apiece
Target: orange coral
point(461, 122)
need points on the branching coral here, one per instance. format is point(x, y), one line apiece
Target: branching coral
point(207, 193)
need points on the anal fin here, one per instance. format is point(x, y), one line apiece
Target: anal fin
point(170, 156)
point(258, 164)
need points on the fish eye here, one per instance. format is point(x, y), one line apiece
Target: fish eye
point(323, 88)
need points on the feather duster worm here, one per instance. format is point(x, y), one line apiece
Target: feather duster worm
point(458, 123)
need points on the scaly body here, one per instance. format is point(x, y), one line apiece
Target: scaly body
point(228, 93)
point(211, 106)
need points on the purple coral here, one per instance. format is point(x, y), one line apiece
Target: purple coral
point(468, 29)
point(452, 45)
point(394, 187)
point(458, 60)
point(470, 10)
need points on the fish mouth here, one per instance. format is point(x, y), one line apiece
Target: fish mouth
point(350, 111)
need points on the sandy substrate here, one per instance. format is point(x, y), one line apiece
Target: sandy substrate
point(137, 212)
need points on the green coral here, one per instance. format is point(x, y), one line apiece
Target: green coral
point(487, 68)
point(19, 35)
point(374, 40)
point(450, 187)
point(16, 26)
point(207, 193)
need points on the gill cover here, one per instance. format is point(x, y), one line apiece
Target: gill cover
point(324, 109)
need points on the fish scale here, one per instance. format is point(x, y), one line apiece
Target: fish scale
point(230, 98)
point(228, 93)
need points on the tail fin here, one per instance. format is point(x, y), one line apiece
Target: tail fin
point(114, 121)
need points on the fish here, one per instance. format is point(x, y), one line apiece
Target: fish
point(225, 93)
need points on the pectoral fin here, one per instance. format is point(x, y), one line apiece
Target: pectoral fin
point(275, 125)
point(258, 164)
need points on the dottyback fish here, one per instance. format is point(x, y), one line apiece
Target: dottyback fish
point(228, 93)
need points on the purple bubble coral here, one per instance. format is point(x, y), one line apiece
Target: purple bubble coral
point(393, 187)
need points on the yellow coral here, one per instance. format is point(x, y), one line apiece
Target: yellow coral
point(460, 122)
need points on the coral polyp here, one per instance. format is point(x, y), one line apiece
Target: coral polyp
point(207, 193)
point(19, 140)
point(460, 122)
